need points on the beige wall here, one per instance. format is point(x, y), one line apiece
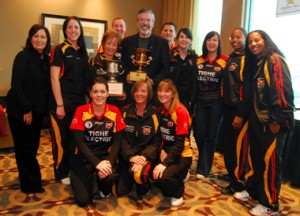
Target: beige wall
point(231, 18)
point(17, 16)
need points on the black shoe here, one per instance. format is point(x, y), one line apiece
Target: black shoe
point(228, 190)
point(33, 191)
point(140, 196)
point(224, 177)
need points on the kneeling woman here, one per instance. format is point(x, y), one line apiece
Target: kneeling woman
point(140, 149)
point(176, 154)
point(97, 129)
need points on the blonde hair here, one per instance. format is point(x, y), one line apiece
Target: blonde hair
point(171, 86)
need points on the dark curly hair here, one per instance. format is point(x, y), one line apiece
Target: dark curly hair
point(270, 48)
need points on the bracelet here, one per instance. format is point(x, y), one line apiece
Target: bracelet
point(60, 105)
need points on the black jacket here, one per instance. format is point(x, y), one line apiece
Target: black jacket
point(30, 84)
point(183, 73)
point(233, 82)
point(142, 136)
point(270, 91)
point(157, 70)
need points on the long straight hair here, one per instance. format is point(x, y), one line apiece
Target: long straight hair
point(171, 86)
point(80, 41)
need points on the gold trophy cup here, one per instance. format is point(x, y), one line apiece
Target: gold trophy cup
point(140, 59)
point(112, 71)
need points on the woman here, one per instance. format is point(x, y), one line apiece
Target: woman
point(234, 126)
point(140, 149)
point(110, 43)
point(69, 78)
point(208, 101)
point(97, 129)
point(183, 67)
point(27, 105)
point(269, 99)
point(176, 154)
point(97, 65)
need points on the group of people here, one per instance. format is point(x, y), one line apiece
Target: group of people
point(143, 137)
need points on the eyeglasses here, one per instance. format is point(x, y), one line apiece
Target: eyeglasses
point(144, 20)
point(237, 37)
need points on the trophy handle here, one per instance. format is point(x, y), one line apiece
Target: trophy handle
point(103, 72)
point(122, 72)
point(149, 60)
point(132, 58)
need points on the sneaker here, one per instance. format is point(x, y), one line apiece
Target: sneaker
point(228, 190)
point(176, 201)
point(260, 210)
point(66, 181)
point(242, 196)
point(200, 176)
point(104, 196)
point(187, 177)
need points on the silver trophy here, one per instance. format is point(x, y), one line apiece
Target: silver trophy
point(112, 70)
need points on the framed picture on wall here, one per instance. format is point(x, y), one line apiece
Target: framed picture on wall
point(93, 31)
point(287, 7)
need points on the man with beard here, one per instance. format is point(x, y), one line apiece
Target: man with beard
point(157, 47)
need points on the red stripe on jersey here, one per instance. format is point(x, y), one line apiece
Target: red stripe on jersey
point(279, 81)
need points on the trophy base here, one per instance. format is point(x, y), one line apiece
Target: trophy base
point(115, 89)
point(137, 75)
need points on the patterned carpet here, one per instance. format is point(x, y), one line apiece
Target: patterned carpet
point(202, 197)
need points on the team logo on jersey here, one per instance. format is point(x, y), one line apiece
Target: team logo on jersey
point(146, 130)
point(260, 83)
point(170, 124)
point(200, 66)
point(232, 66)
point(217, 69)
point(118, 55)
point(88, 124)
point(171, 69)
point(74, 121)
point(108, 125)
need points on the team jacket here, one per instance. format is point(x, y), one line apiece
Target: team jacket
point(209, 77)
point(141, 133)
point(98, 62)
point(182, 72)
point(96, 136)
point(175, 130)
point(272, 91)
point(233, 81)
point(74, 77)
